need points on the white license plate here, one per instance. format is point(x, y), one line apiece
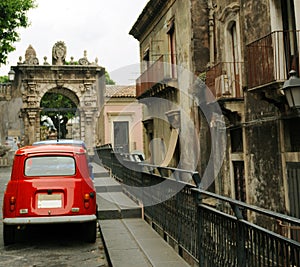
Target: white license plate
point(49, 201)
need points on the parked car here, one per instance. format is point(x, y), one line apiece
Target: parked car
point(61, 142)
point(50, 184)
point(66, 142)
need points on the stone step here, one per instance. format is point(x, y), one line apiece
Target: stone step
point(107, 184)
point(117, 205)
point(132, 242)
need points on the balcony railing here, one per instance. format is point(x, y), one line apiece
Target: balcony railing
point(272, 57)
point(225, 79)
point(161, 70)
point(5, 91)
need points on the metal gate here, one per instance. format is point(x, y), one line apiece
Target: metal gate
point(65, 126)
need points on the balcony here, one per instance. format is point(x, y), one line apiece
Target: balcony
point(158, 76)
point(271, 58)
point(225, 80)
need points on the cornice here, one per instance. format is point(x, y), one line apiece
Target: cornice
point(149, 13)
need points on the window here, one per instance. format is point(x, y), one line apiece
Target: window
point(233, 67)
point(236, 138)
point(172, 48)
point(50, 166)
point(146, 59)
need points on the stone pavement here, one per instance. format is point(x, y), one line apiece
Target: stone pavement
point(128, 239)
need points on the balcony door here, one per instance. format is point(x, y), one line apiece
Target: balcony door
point(290, 35)
point(121, 136)
point(293, 172)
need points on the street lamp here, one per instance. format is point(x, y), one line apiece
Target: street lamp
point(291, 89)
point(11, 75)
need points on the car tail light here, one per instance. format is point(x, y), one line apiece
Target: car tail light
point(12, 203)
point(86, 200)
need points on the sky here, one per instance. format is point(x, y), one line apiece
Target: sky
point(101, 27)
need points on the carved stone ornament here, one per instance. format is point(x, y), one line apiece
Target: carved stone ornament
point(174, 118)
point(59, 52)
point(84, 60)
point(30, 56)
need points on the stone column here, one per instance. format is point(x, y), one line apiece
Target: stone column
point(88, 128)
point(31, 123)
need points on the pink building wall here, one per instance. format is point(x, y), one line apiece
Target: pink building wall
point(115, 111)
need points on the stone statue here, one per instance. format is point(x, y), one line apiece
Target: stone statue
point(59, 52)
point(30, 56)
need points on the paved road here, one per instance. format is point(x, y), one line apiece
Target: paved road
point(56, 245)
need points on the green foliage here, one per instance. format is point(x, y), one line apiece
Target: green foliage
point(71, 63)
point(4, 79)
point(60, 109)
point(57, 101)
point(108, 80)
point(12, 17)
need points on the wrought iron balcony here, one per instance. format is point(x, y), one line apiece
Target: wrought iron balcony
point(225, 80)
point(160, 72)
point(271, 58)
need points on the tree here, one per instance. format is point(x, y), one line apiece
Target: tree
point(4, 79)
point(12, 17)
point(108, 80)
point(60, 109)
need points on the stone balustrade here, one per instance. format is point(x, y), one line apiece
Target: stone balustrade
point(5, 91)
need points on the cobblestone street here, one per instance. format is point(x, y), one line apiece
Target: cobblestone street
point(56, 245)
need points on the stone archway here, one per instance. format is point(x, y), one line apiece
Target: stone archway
point(60, 116)
point(83, 82)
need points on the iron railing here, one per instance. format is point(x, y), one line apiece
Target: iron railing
point(159, 71)
point(226, 79)
point(208, 228)
point(103, 155)
point(272, 57)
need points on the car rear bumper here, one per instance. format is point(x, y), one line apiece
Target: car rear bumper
point(46, 220)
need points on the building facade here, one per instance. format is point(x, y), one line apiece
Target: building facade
point(121, 120)
point(242, 52)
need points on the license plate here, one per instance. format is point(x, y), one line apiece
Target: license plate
point(49, 201)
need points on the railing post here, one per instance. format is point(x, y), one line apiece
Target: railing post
point(198, 200)
point(241, 241)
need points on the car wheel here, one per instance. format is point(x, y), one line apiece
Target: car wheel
point(9, 234)
point(90, 231)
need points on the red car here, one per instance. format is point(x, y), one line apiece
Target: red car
point(50, 184)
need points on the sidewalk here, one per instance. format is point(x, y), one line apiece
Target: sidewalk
point(129, 240)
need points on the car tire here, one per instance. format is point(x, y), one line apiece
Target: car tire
point(9, 232)
point(90, 231)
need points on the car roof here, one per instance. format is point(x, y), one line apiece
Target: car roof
point(44, 149)
point(60, 142)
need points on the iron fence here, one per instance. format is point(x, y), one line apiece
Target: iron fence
point(159, 71)
point(226, 79)
point(272, 57)
point(207, 227)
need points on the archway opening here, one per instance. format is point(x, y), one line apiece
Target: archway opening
point(60, 118)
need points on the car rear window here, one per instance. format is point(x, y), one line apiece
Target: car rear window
point(50, 166)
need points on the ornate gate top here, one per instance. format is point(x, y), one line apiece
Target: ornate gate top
point(81, 81)
point(59, 52)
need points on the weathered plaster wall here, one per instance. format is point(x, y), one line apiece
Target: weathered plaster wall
point(199, 36)
point(263, 154)
point(257, 20)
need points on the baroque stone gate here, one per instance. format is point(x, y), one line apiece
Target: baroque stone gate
point(81, 81)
